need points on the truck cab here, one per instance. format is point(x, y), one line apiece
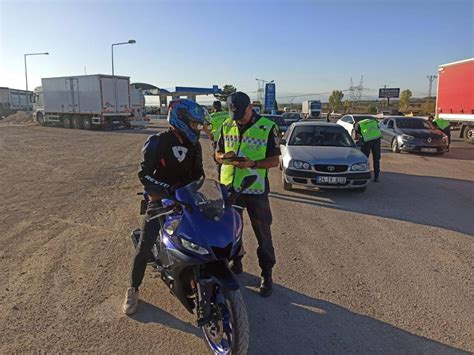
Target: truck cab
point(38, 105)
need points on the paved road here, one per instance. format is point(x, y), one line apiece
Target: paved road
point(389, 270)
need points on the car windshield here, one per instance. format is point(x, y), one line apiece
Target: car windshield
point(320, 136)
point(413, 123)
point(277, 119)
point(316, 105)
point(291, 117)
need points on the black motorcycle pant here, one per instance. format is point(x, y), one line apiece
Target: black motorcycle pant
point(150, 231)
point(260, 214)
point(374, 147)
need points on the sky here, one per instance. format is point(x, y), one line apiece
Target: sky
point(306, 47)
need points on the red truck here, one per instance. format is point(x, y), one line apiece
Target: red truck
point(455, 99)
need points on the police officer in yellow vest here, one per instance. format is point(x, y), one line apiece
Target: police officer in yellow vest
point(442, 125)
point(217, 119)
point(368, 136)
point(254, 138)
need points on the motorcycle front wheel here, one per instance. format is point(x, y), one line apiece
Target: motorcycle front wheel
point(227, 332)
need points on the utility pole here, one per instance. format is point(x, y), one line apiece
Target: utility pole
point(431, 78)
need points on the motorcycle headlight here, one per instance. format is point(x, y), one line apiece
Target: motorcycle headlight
point(193, 247)
point(406, 137)
point(171, 227)
point(298, 164)
point(359, 167)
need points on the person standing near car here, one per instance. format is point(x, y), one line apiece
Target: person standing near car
point(171, 159)
point(368, 135)
point(255, 139)
point(442, 125)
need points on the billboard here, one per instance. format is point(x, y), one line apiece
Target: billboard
point(270, 96)
point(389, 93)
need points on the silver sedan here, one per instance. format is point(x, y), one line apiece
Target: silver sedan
point(319, 154)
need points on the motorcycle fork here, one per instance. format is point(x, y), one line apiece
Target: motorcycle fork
point(205, 290)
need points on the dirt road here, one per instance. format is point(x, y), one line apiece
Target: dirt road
point(390, 270)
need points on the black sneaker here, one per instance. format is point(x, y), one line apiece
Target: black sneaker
point(266, 286)
point(237, 267)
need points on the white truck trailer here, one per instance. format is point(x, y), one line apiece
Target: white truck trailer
point(83, 102)
point(14, 99)
point(311, 109)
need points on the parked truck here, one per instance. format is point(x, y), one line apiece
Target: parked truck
point(83, 102)
point(138, 116)
point(311, 109)
point(455, 98)
point(15, 99)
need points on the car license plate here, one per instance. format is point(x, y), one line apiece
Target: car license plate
point(331, 180)
point(429, 150)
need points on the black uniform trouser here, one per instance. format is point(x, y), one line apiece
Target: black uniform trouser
point(150, 231)
point(260, 214)
point(374, 147)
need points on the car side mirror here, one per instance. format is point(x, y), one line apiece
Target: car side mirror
point(283, 141)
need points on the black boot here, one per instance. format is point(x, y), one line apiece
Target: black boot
point(376, 176)
point(237, 267)
point(266, 284)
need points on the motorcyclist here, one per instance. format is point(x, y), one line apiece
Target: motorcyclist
point(171, 159)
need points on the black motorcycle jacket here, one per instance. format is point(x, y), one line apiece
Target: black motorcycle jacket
point(169, 162)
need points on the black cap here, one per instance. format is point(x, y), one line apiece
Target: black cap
point(237, 103)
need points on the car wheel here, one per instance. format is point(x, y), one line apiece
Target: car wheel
point(286, 186)
point(395, 147)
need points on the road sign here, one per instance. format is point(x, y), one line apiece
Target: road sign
point(389, 93)
point(270, 96)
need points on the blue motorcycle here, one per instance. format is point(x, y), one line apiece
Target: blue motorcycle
point(201, 231)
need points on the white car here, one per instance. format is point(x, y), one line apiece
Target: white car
point(320, 154)
point(348, 121)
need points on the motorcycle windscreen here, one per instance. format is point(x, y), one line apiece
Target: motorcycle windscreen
point(206, 196)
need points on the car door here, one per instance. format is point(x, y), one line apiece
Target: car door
point(283, 144)
point(390, 131)
point(383, 127)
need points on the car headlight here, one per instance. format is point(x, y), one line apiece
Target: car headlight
point(298, 164)
point(359, 167)
point(193, 247)
point(406, 137)
point(171, 227)
point(445, 138)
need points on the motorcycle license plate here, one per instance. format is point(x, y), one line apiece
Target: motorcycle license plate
point(331, 180)
point(428, 150)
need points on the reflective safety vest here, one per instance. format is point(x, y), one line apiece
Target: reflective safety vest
point(217, 119)
point(369, 130)
point(253, 145)
point(442, 124)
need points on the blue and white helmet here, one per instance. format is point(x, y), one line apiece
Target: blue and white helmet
point(181, 112)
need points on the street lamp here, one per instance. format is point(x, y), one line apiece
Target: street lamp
point(131, 41)
point(26, 72)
